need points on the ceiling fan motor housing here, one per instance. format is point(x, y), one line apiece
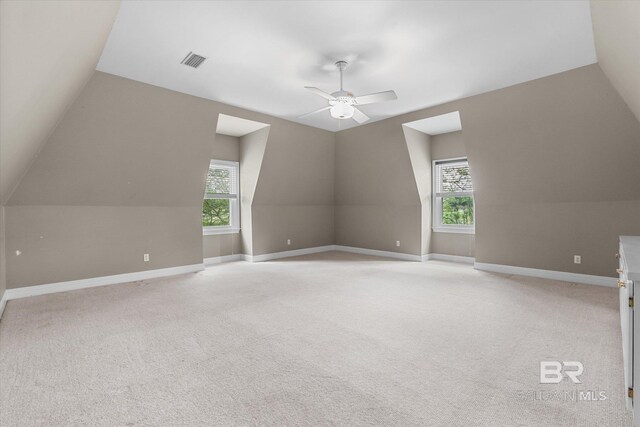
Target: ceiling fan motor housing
point(344, 97)
point(342, 103)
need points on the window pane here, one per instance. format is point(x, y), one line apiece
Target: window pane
point(215, 212)
point(221, 180)
point(455, 177)
point(457, 210)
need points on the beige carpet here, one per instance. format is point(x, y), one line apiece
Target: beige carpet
point(327, 339)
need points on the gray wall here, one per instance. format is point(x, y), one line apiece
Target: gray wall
point(554, 163)
point(448, 146)
point(30, 105)
point(221, 245)
point(376, 197)
point(295, 191)
point(60, 243)
point(123, 174)
point(555, 169)
point(225, 147)
point(453, 244)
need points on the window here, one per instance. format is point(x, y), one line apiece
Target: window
point(452, 197)
point(220, 212)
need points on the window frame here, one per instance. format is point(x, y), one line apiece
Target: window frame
point(234, 202)
point(436, 204)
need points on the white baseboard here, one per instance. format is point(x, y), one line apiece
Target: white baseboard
point(548, 274)
point(50, 288)
point(375, 252)
point(318, 249)
point(287, 254)
point(223, 258)
point(3, 303)
point(28, 291)
point(450, 258)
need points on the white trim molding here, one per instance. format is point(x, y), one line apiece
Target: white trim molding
point(71, 285)
point(287, 254)
point(454, 229)
point(3, 303)
point(375, 252)
point(548, 274)
point(450, 258)
point(223, 258)
point(50, 288)
point(216, 231)
point(28, 291)
point(340, 248)
point(351, 249)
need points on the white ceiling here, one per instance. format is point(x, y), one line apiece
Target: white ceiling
point(436, 125)
point(235, 126)
point(261, 54)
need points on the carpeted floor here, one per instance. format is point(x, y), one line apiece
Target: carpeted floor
point(326, 339)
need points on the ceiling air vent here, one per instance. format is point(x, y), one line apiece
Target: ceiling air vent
point(193, 60)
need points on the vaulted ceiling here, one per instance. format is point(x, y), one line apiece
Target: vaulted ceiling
point(48, 51)
point(617, 33)
point(260, 55)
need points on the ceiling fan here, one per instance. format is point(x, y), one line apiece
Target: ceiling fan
point(342, 103)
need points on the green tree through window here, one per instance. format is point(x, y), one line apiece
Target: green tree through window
point(457, 210)
point(215, 212)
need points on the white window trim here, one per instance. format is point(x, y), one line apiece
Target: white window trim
point(465, 229)
point(234, 204)
point(436, 204)
point(212, 231)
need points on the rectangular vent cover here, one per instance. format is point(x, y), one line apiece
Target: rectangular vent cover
point(193, 60)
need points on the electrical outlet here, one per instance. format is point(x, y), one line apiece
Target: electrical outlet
point(146, 257)
point(397, 242)
point(577, 259)
point(288, 241)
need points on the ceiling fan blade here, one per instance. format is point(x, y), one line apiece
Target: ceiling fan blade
point(359, 116)
point(321, 93)
point(314, 112)
point(388, 95)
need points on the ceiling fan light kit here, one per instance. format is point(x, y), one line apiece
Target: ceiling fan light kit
point(341, 110)
point(342, 103)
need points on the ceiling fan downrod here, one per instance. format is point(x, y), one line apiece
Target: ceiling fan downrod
point(342, 65)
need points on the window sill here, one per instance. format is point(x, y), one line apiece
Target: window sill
point(215, 232)
point(458, 230)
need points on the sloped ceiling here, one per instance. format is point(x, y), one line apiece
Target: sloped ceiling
point(48, 51)
point(616, 29)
